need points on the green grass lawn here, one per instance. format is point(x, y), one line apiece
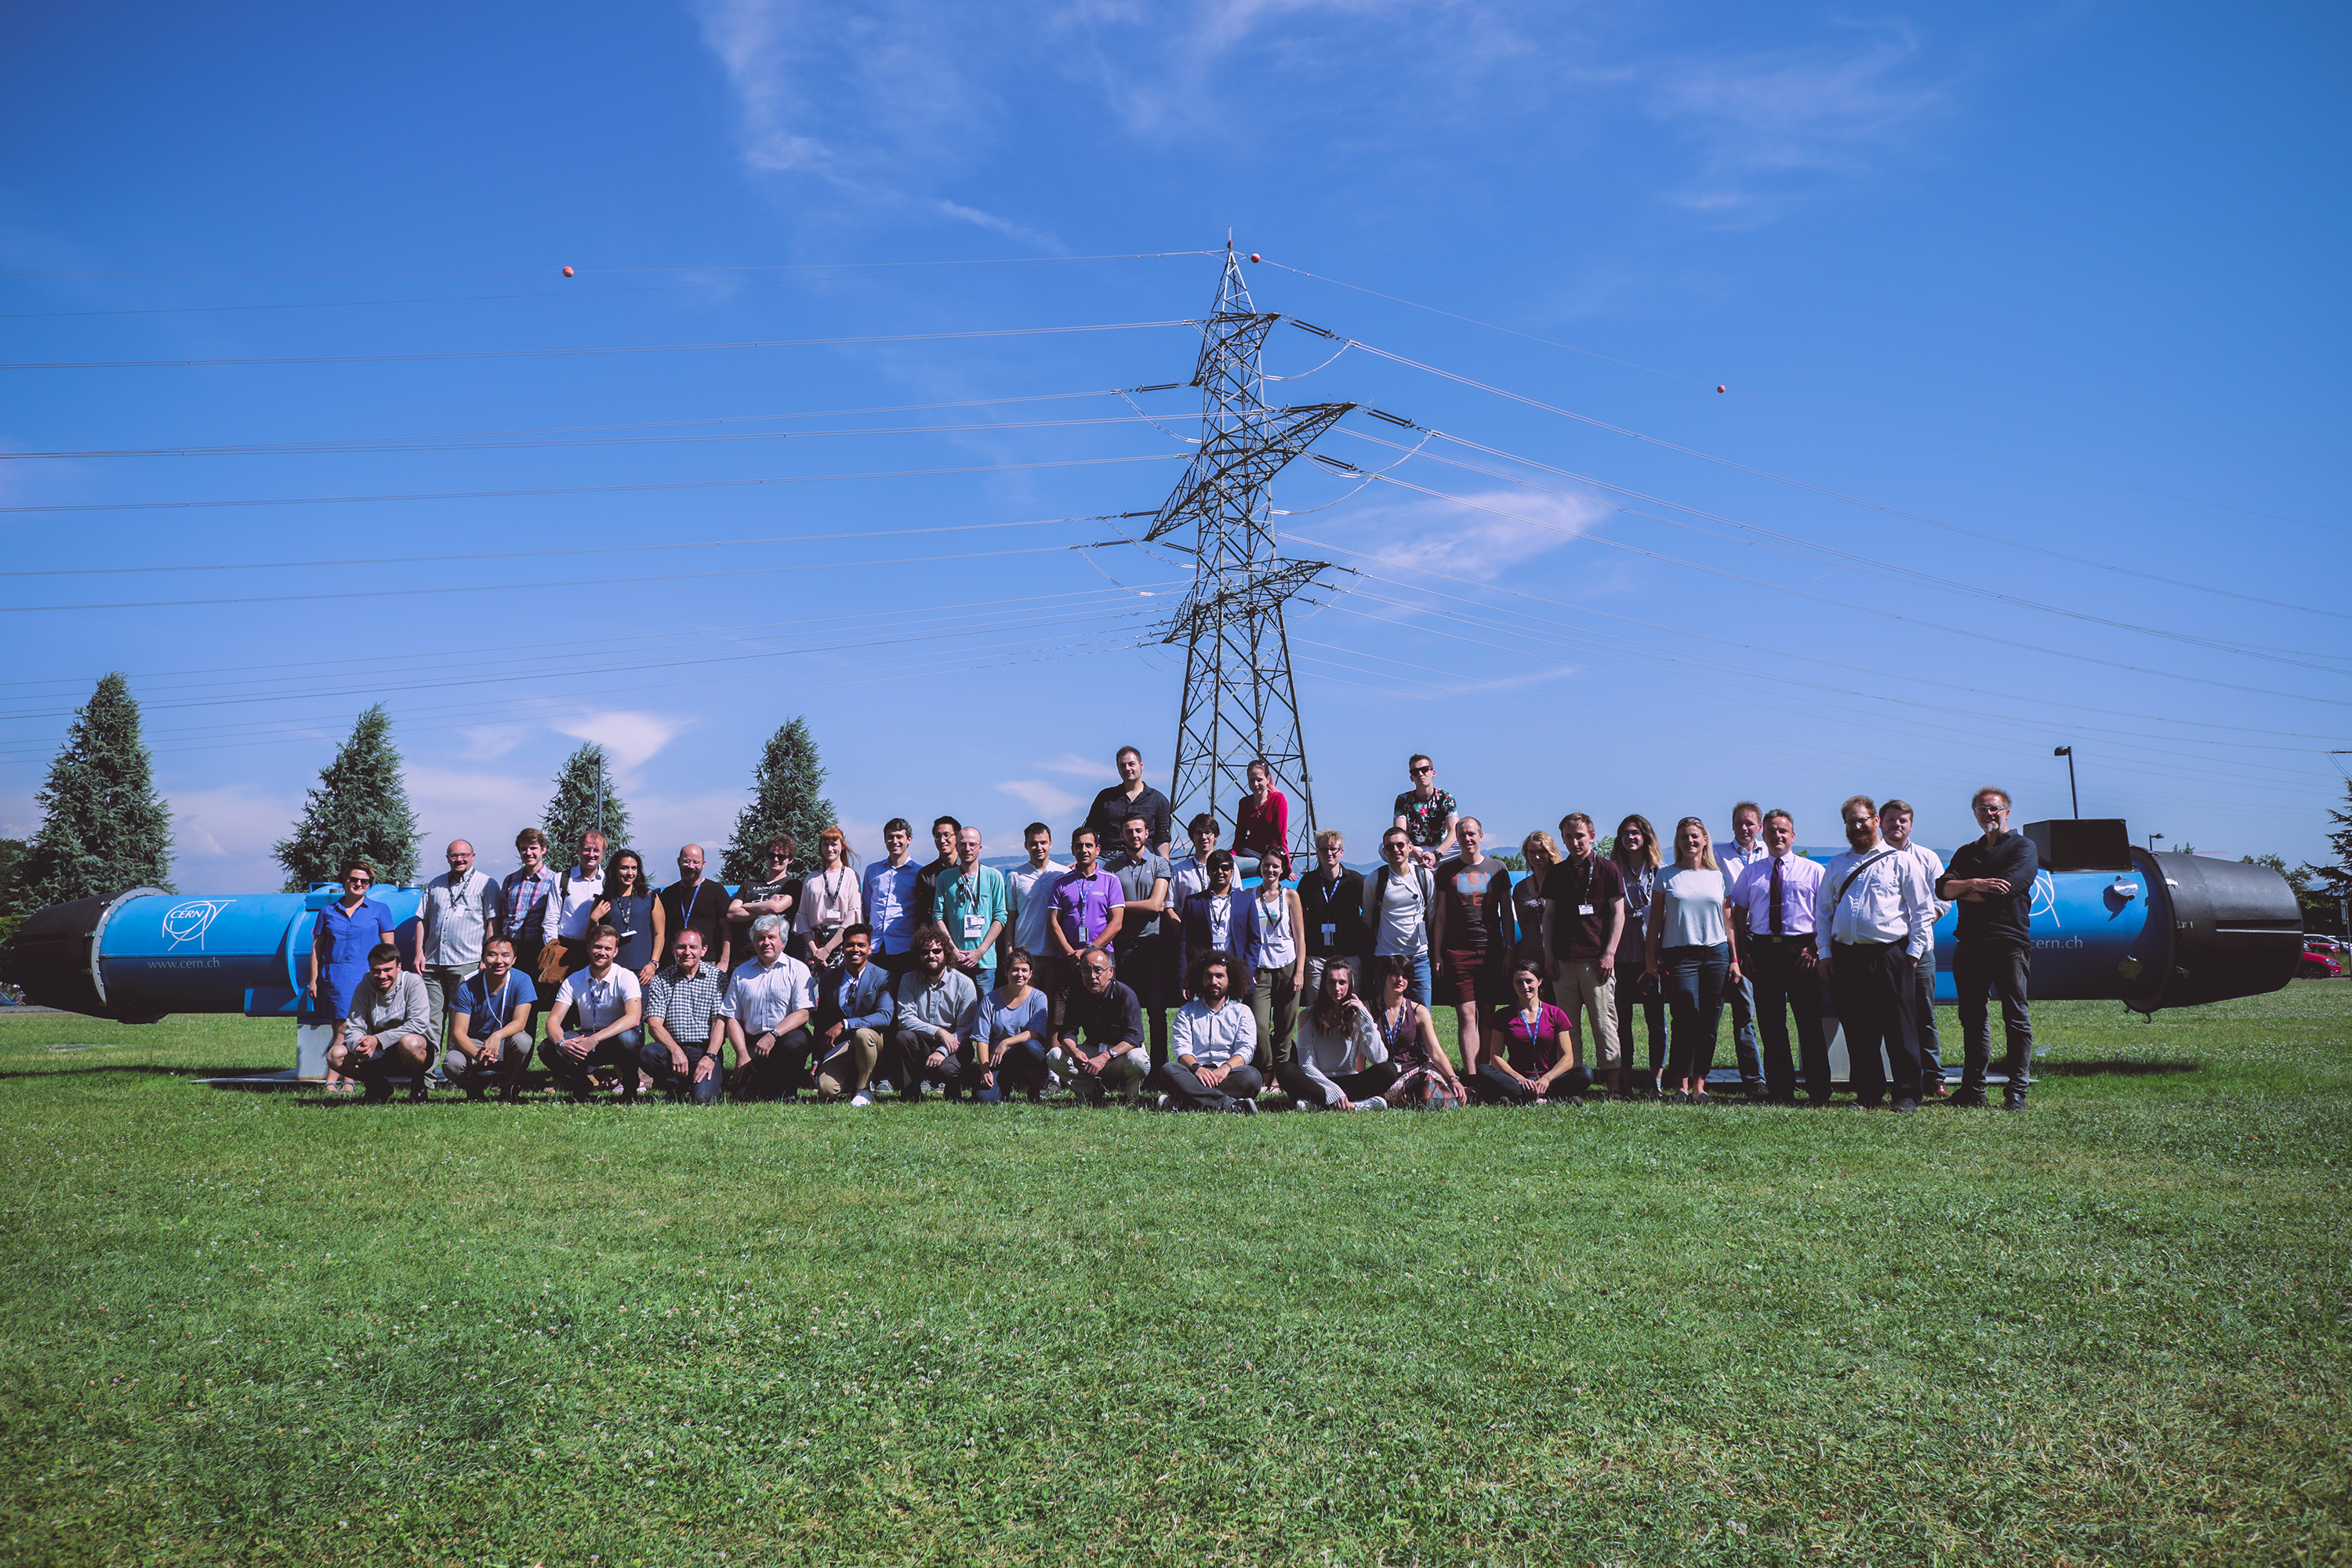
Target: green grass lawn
point(279, 1329)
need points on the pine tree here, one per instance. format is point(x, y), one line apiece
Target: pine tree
point(104, 829)
point(360, 810)
point(2338, 877)
point(784, 800)
point(571, 810)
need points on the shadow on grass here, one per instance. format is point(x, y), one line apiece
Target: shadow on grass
point(2120, 1068)
point(151, 1068)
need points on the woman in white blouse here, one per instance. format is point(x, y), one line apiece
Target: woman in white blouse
point(1687, 949)
point(830, 900)
point(1342, 1062)
point(1278, 957)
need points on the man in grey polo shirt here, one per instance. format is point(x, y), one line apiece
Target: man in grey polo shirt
point(459, 907)
point(1137, 953)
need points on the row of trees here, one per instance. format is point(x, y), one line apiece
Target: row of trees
point(105, 828)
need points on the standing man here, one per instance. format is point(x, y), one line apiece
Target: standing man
point(970, 912)
point(1584, 920)
point(1773, 931)
point(1029, 897)
point(1895, 828)
point(577, 888)
point(1130, 793)
point(858, 1010)
point(683, 1010)
point(1216, 1037)
point(489, 1025)
point(1880, 918)
point(389, 1030)
point(1992, 879)
point(1140, 955)
point(523, 895)
point(935, 1008)
point(1331, 898)
point(777, 893)
point(692, 904)
point(769, 999)
point(945, 831)
point(596, 1019)
point(1088, 903)
point(1425, 815)
point(1397, 899)
point(889, 897)
point(1098, 1035)
point(1745, 848)
point(459, 910)
point(1471, 929)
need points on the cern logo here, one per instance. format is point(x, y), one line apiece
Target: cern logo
point(2045, 899)
point(187, 923)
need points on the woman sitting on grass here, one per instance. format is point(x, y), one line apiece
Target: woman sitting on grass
point(1340, 1063)
point(1535, 1055)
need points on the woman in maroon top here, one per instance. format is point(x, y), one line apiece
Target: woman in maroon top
point(1262, 821)
point(1536, 1055)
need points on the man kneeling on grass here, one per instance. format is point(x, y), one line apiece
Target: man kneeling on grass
point(683, 1014)
point(390, 1031)
point(931, 1022)
point(594, 1021)
point(489, 1025)
point(1098, 1036)
point(1214, 1040)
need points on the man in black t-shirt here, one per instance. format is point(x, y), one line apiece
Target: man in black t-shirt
point(777, 893)
point(945, 831)
point(1584, 916)
point(1471, 931)
point(1991, 879)
point(1331, 898)
point(692, 903)
point(1132, 796)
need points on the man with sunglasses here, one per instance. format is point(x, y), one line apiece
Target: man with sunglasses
point(1992, 878)
point(1426, 815)
point(771, 890)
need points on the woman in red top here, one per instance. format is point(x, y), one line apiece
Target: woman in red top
point(1536, 1055)
point(1263, 822)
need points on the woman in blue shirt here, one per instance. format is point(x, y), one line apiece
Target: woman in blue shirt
point(346, 930)
point(1013, 1022)
point(635, 911)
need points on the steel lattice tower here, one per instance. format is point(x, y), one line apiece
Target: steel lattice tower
point(1240, 698)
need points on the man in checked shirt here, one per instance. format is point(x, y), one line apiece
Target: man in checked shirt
point(683, 1008)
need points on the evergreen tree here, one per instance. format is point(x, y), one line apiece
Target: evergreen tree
point(571, 810)
point(359, 810)
point(104, 829)
point(2338, 877)
point(784, 800)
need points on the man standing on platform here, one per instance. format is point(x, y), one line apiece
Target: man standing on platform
point(1130, 794)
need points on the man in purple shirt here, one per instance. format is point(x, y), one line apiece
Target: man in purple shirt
point(1088, 903)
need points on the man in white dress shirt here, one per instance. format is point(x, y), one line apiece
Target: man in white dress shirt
point(1209, 1058)
point(1745, 848)
point(1772, 931)
point(1895, 827)
point(769, 999)
point(1876, 916)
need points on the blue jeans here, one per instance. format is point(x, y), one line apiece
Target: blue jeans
point(1694, 984)
point(1418, 989)
point(694, 1085)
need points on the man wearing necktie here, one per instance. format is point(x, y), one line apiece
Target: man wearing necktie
point(1773, 934)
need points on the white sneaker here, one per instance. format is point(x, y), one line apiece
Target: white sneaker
point(1162, 1103)
point(861, 1097)
point(1375, 1103)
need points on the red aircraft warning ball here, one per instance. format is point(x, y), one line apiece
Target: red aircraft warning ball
point(1256, 257)
point(567, 272)
point(1717, 388)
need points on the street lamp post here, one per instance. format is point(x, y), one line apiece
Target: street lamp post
point(2151, 842)
point(2073, 798)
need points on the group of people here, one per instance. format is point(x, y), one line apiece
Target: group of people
point(1205, 980)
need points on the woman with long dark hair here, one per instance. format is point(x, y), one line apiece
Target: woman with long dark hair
point(1342, 1063)
point(633, 909)
point(1635, 852)
point(1687, 949)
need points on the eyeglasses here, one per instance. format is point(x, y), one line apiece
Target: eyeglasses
point(1418, 771)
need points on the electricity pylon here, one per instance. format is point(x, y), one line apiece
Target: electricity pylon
point(1239, 700)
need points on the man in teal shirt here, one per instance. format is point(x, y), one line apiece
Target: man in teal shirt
point(973, 910)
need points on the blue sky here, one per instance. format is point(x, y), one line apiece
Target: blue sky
point(2031, 320)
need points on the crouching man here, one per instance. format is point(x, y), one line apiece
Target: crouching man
point(860, 1009)
point(489, 1025)
point(1209, 1053)
point(1098, 1036)
point(931, 1025)
point(768, 1003)
point(594, 1022)
point(389, 1034)
point(684, 1008)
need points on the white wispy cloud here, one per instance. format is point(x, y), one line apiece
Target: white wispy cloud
point(632, 739)
point(1041, 797)
point(1463, 541)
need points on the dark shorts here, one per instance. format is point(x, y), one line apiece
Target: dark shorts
point(1465, 984)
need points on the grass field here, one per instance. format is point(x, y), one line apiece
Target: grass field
point(277, 1329)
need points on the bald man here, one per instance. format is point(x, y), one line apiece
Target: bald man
point(457, 911)
point(690, 903)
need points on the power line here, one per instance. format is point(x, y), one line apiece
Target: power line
point(592, 490)
point(569, 353)
point(1812, 413)
point(678, 266)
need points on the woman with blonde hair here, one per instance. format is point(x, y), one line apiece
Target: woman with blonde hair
point(830, 899)
point(1538, 852)
point(1687, 949)
point(1634, 851)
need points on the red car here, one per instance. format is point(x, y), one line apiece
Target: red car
point(2318, 964)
